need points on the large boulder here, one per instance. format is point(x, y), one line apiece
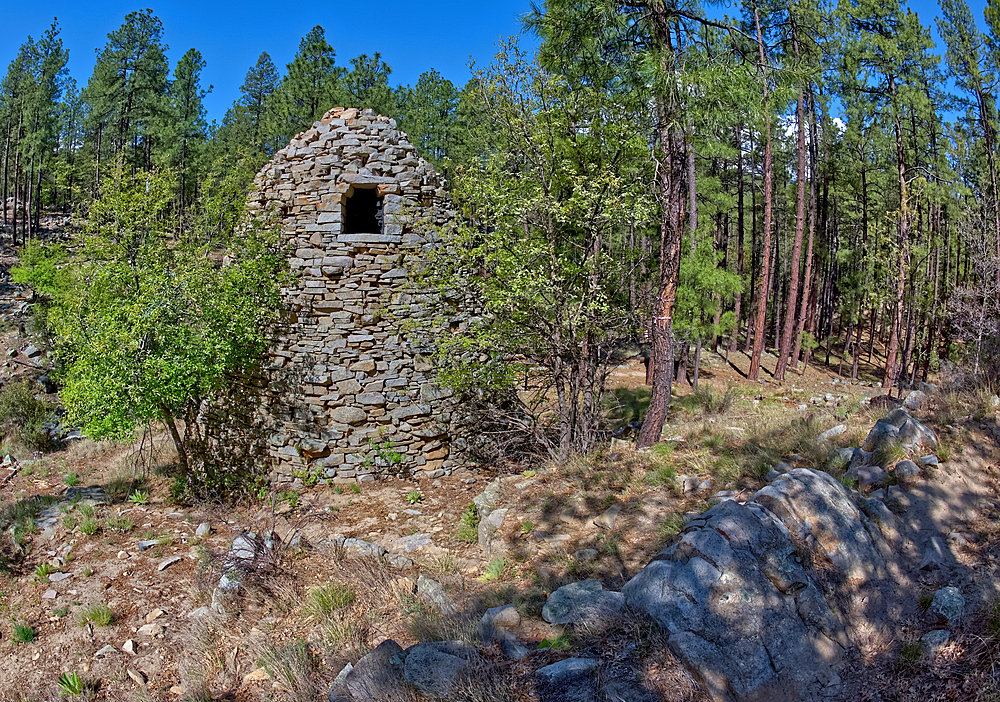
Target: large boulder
point(739, 600)
point(434, 667)
point(377, 675)
point(822, 513)
point(585, 603)
point(741, 612)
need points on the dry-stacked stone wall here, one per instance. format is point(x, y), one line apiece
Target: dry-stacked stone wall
point(361, 398)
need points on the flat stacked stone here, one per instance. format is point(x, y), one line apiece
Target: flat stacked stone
point(354, 376)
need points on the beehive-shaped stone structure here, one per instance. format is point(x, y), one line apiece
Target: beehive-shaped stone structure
point(361, 399)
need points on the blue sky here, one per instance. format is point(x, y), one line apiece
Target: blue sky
point(412, 36)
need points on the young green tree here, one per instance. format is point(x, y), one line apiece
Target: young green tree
point(559, 185)
point(428, 115)
point(148, 328)
point(366, 85)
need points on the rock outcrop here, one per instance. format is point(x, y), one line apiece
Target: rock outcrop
point(762, 600)
point(742, 611)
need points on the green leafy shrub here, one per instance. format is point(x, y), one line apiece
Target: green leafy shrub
point(27, 417)
point(139, 497)
point(120, 524)
point(468, 528)
point(494, 570)
point(148, 327)
point(557, 643)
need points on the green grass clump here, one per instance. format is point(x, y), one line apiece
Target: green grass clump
point(494, 571)
point(414, 496)
point(296, 667)
point(909, 655)
point(71, 684)
point(323, 601)
point(670, 527)
point(72, 479)
point(665, 476)
point(97, 613)
point(993, 618)
point(43, 570)
point(24, 633)
point(89, 526)
point(120, 524)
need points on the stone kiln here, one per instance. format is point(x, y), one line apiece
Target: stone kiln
point(360, 398)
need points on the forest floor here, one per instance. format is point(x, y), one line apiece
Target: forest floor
point(153, 569)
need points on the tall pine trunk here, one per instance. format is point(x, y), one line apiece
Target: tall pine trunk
point(671, 154)
point(758, 336)
point(800, 225)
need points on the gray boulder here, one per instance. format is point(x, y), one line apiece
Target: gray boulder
point(948, 605)
point(832, 432)
point(569, 680)
point(740, 609)
point(867, 477)
point(841, 458)
point(488, 499)
point(585, 603)
point(907, 471)
point(377, 675)
point(431, 591)
point(934, 556)
point(821, 511)
point(434, 667)
point(933, 641)
point(363, 548)
point(913, 434)
point(915, 400)
point(490, 540)
point(880, 437)
point(897, 417)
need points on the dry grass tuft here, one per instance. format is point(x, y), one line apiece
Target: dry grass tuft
point(296, 667)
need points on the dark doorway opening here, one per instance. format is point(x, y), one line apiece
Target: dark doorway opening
point(363, 212)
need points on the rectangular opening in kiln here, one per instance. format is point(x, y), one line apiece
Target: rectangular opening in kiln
point(363, 212)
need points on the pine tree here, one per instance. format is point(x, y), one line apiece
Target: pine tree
point(366, 85)
point(186, 130)
point(126, 95)
point(312, 86)
point(429, 117)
